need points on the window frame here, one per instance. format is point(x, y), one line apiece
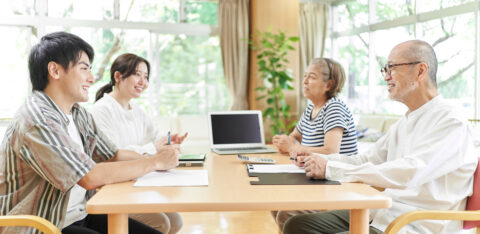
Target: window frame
point(41, 20)
point(416, 18)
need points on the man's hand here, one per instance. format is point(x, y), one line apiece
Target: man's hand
point(167, 157)
point(297, 157)
point(284, 143)
point(315, 166)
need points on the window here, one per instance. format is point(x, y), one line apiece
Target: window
point(362, 47)
point(178, 38)
point(103, 10)
point(191, 75)
point(353, 55)
point(13, 64)
point(454, 45)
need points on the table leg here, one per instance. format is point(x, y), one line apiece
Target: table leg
point(118, 223)
point(359, 221)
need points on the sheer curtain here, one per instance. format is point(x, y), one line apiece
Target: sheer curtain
point(233, 22)
point(312, 27)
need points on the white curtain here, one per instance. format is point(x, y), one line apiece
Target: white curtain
point(312, 26)
point(234, 34)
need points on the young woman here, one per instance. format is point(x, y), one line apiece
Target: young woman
point(128, 126)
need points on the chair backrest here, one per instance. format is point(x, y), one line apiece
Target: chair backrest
point(473, 202)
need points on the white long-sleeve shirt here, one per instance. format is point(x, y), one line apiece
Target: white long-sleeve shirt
point(425, 161)
point(128, 129)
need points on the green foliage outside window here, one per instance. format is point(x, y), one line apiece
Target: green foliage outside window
point(451, 38)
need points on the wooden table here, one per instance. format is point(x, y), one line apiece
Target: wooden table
point(229, 190)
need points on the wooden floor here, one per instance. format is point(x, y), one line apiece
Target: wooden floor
point(228, 222)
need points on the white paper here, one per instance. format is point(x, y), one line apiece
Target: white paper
point(174, 178)
point(279, 168)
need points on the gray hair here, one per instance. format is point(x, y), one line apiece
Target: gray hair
point(422, 51)
point(336, 74)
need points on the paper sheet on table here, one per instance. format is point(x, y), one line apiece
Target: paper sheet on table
point(278, 168)
point(174, 178)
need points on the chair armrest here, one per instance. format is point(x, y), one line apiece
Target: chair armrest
point(39, 223)
point(409, 217)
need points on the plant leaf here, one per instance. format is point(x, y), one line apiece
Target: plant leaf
point(261, 97)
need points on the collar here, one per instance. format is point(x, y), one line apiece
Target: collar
point(49, 102)
point(422, 109)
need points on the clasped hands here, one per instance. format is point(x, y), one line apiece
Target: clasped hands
point(314, 164)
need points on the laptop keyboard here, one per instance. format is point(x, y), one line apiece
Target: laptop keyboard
point(240, 149)
point(246, 150)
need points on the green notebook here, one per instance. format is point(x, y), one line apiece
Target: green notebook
point(192, 157)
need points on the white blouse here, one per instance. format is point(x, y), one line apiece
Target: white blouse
point(128, 129)
point(425, 161)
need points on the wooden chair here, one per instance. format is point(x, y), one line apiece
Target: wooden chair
point(470, 217)
point(39, 223)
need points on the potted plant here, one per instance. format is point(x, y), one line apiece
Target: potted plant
point(272, 64)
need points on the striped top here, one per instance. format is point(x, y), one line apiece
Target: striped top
point(333, 114)
point(40, 163)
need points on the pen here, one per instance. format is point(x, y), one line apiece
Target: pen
point(294, 159)
point(168, 138)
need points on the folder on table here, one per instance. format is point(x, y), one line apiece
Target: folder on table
point(283, 174)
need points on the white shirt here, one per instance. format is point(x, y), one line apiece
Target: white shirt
point(76, 209)
point(128, 129)
point(425, 161)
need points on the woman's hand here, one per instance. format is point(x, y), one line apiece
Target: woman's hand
point(175, 139)
point(284, 143)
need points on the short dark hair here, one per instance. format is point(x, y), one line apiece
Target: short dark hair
point(60, 47)
point(126, 64)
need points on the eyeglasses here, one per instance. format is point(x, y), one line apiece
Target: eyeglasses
point(388, 67)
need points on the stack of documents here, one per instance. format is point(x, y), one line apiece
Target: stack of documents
point(174, 178)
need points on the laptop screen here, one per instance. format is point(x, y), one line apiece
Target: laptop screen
point(236, 128)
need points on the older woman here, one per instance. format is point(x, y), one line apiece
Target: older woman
point(326, 126)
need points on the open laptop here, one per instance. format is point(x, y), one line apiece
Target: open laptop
point(237, 132)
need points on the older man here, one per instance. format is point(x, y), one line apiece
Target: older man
point(424, 162)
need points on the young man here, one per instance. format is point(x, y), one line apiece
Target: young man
point(53, 157)
point(425, 161)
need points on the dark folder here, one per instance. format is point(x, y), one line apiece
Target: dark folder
point(278, 175)
point(287, 179)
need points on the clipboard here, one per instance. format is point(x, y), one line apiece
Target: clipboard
point(286, 178)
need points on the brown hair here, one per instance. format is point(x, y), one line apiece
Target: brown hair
point(336, 74)
point(126, 64)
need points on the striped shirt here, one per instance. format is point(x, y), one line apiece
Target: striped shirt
point(333, 114)
point(40, 163)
